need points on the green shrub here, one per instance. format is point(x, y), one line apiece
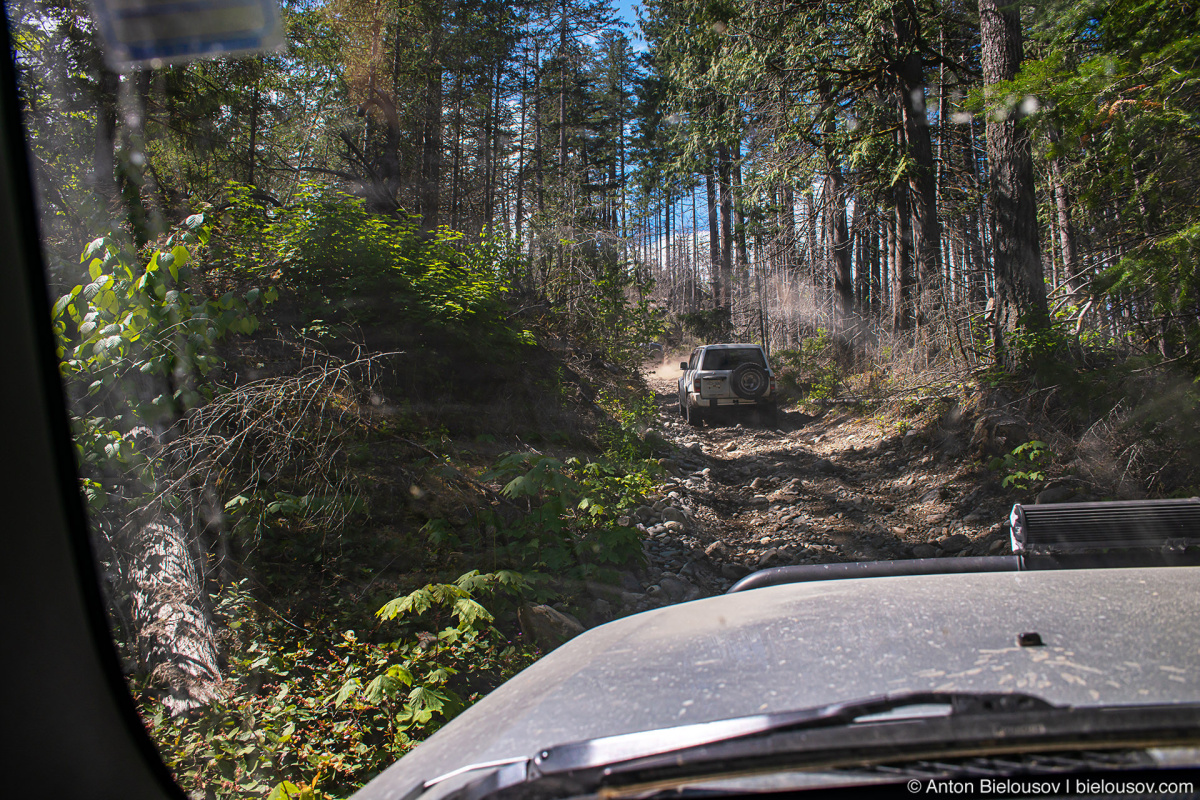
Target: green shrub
point(621, 433)
point(1024, 466)
point(570, 528)
point(608, 313)
point(137, 347)
point(812, 372)
point(348, 264)
point(322, 710)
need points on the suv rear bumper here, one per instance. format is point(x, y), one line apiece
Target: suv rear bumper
point(697, 401)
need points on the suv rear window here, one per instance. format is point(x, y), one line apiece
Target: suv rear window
point(733, 357)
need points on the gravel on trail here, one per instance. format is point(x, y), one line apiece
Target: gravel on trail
point(837, 487)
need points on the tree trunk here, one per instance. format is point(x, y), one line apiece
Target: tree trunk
point(788, 213)
point(862, 287)
point(839, 244)
point(161, 574)
point(714, 233)
point(837, 233)
point(1066, 228)
point(104, 163)
point(538, 166)
point(973, 230)
point(810, 235)
point(252, 153)
point(902, 263)
point(492, 176)
point(877, 287)
point(456, 166)
point(519, 216)
point(562, 97)
point(723, 185)
point(922, 180)
point(489, 158)
point(621, 179)
point(739, 219)
point(1016, 251)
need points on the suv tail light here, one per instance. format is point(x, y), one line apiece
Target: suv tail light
point(696, 384)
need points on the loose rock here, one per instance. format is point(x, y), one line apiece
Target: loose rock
point(770, 558)
point(678, 589)
point(717, 551)
point(615, 595)
point(954, 542)
point(1054, 494)
point(733, 571)
point(978, 515)
point(672, 514)
point(547, 627)
point(931, 495)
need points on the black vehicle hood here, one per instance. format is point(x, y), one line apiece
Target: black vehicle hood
point(1110, 637)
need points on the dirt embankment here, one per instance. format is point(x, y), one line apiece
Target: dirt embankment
point(835, 487)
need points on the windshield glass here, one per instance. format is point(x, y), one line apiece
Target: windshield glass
point(370, 327)
point(730, 357)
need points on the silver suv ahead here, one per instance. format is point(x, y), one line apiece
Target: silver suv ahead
point(727, 375)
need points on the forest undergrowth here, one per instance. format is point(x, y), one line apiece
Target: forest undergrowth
point(371, 464)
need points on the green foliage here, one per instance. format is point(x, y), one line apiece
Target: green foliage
point(307, 519)
point(1037, 349)
point(1119, 87)
point(1146, 418)
point(354, 265)
point(707, 325)
point(1167, 274)
point(418, 685)
point(610, 312)
point(1025, 465)
point(570, 528)
point(622, 433)
point(812, 372)
point(139, 338)
point(286, 790)
point(570, 525)
point(317, 715)
point(455, 598)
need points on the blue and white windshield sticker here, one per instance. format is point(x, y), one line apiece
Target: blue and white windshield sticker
point(154, 32)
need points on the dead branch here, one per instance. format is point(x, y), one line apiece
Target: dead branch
point(467, 479)
point(277, 432)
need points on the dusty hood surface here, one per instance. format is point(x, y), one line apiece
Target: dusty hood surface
point(1110, 637)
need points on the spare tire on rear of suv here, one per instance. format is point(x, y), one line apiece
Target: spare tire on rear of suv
point(748, 381)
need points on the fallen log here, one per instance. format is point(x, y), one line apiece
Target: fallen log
point(160, 572)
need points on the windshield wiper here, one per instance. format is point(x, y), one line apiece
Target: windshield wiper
point(873, 729)
point(609, 749)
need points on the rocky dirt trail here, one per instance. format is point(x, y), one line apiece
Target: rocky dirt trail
point(836, 487)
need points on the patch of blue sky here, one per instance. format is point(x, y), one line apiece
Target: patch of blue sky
point(627, 11)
